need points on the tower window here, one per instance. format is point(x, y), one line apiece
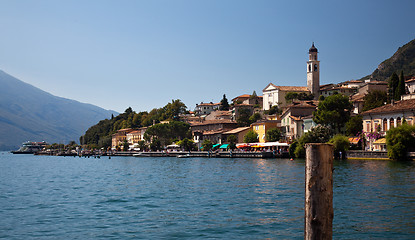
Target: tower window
point(309, 68)
point(315, 67)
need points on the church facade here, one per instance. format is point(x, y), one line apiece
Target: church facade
point(274, 95)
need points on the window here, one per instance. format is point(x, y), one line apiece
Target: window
point(263, 136)
point(263, 127)
point(315, 67)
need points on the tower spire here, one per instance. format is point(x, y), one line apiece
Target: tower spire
point(313, 72)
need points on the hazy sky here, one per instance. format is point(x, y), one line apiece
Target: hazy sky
point(116, 54)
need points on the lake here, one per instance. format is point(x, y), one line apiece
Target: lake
point(196, 198)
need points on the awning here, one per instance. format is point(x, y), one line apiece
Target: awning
point(243, 145)
point(224, 146)
point(380, 141)
point(173, 146)
point(216, 145)
point(354, 140)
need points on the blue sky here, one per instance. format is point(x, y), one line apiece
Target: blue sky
point(143, 54)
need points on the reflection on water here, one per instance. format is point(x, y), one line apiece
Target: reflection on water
point(196, 198)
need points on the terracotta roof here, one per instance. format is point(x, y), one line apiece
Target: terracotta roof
point(244, 96)
point(212, 132)
point(295, 118)
point(288, 88)
point(354, 81)
point(357, 97)
point(293, 88)
point(209, 122)
point(237, 130)
point(208, 104)
point(135, 131)
point(396, 107)
point(304, 104)
point(266, 121)
point(410, 80)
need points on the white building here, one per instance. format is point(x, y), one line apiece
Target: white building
point(275, 95)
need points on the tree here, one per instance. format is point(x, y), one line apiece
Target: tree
point(393, 86)
point(155, 145)
point(186, 144)
point(274, 110)
point(341, 145)
point(207, 145)
point(125, 145)
point(333, 111)
point(273, 135)
point(243, 118)
point(318, 134)
point(251, 136)
point(374, 99)
point(401, 86)
point(232, 141)
point(224, 105)
point(354, 126)
point(142, 145)
point(254, 117)
point(166, 132)
point(400, 141)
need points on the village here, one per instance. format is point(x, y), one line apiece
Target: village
point(290, 110)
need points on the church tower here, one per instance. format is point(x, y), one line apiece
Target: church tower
point(313, 72)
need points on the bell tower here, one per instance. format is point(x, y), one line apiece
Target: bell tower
point(313, 72)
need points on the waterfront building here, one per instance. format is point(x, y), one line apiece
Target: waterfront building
point(135, 136)
point(239, 133)
point(261, 128)
point(119, 137)
point(383, 118)
point(212, 130)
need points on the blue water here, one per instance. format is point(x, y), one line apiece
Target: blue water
point(195, 198)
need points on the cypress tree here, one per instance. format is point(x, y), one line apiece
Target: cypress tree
point(224, 105)
point(401, 85)
point(393, 87)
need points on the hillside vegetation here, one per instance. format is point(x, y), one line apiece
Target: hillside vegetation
point(402, 60)
point(99, 135)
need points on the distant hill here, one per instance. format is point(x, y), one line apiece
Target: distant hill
point(30, 114)
point(403, 59)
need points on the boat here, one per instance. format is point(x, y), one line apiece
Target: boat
point(183, 156)
point(30, 147)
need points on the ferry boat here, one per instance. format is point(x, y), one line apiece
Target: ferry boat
point(30, 147)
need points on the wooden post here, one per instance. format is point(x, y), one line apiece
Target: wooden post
point(318, 221)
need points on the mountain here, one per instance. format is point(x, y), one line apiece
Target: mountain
point(30, 114)
point(403, 59)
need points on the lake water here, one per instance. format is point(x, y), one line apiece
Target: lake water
point(195, 198)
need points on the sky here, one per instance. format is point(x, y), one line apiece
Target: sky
point(143, 54)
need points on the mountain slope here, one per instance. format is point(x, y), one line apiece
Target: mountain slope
point(403, 59)
point(30, 114)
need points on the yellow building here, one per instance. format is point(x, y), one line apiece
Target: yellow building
point(119, 137)
point(262, 127)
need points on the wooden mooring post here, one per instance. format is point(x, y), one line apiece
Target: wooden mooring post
point(318, 220)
